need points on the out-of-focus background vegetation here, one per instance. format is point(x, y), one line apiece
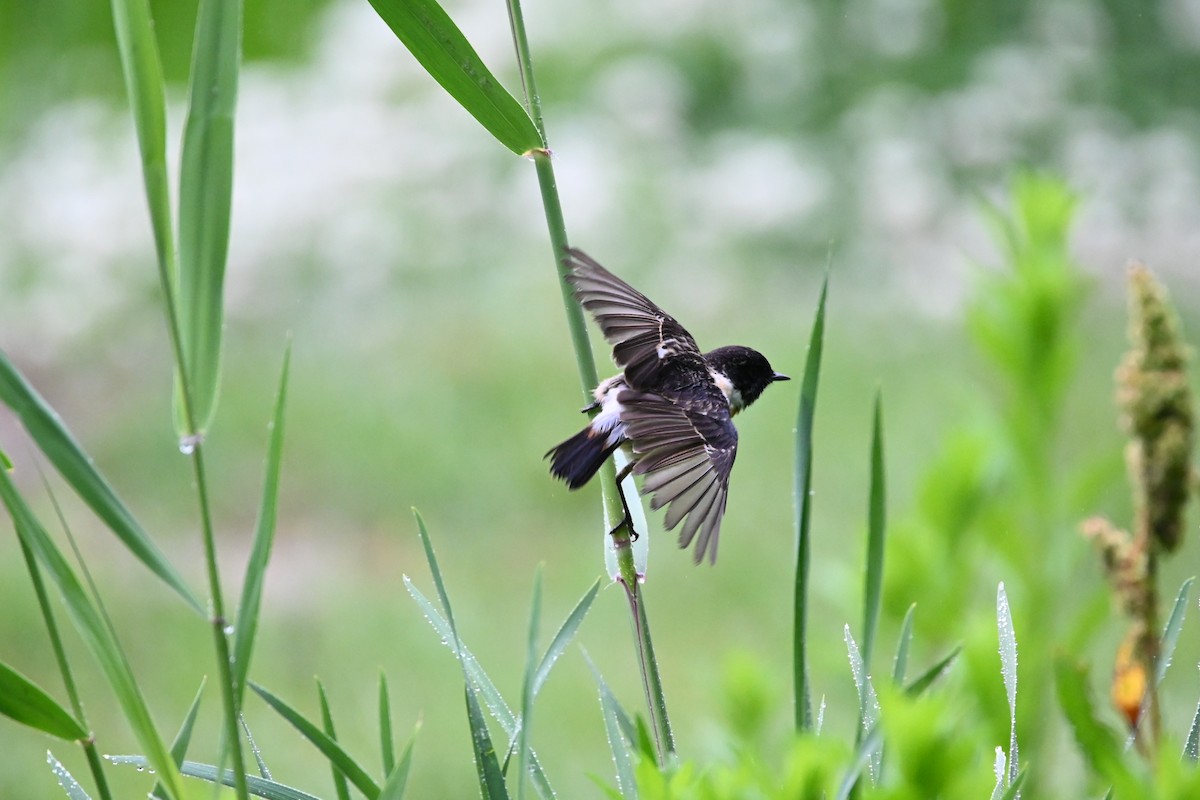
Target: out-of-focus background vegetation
point(717, 155)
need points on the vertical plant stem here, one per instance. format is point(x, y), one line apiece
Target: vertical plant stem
point(64, 667)
point(218, 621)
point(588, 378)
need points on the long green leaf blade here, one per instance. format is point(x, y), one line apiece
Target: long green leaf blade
point(432, 37)
point(900, 664)
point(23, 701)
point(803, 489)
point(387, 744)
point(68, 457)
point(491, 779)
point(264, 537)
point(1170, 637)
point(531, 666)
point(65, 779)
point(96, 633)
point(328, 747)
point(205, 196)
point(183, 737)
point(1008, 671)
point(145, 86)
point(339, 780)
point(563, 637)
point(616, 723)
point(259, 787)
point(876, 527)
point(397, 776)
point(926, 679)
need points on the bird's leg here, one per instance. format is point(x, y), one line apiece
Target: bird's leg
point(627, 520)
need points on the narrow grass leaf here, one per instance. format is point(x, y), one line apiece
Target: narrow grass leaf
point(1008, 670)
point(1000, 770)
point(900, 663)
point(387, 744)
point(23, 701)
point(531, 668)
point(68, 457)
point(803, 501)
point(620, 733)
point(264, 536)
point(1014, 788)
point(491, 696)
point(871, 744)
point(96, 633)
point(1191, 749)
point(205, 198)
point(65, 779)
point(338, 757)
point(1170, 637)
point(397, 776)
point(926, 679)
point(876, 528)
point(339, 780)
point(491, 779)
point(440, 47)
point(563, 637)
point(254, 750)
point(259, 787)
point(183, 738)
point(473, 672)
point(1099, 745)
point(142, 70)
point(868, 702)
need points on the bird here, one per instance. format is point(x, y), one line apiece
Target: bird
point(671, 407)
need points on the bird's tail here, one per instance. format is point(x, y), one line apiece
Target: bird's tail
point(577, 459)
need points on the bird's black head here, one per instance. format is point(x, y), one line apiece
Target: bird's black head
point(748, 371)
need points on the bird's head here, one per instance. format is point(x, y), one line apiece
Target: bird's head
point(748, 371)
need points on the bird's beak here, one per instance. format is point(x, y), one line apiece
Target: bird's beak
point(779, 376)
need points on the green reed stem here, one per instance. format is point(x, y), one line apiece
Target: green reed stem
point(588, 378)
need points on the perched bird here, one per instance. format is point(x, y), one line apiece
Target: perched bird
point(671, 405)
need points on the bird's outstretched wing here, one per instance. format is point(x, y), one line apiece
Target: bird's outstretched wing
point(653, 349)
point(686, 454)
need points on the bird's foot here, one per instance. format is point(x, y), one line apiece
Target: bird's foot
point(627, 524)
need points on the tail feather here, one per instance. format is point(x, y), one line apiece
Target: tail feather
point(577, 459)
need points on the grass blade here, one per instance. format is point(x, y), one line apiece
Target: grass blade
point(183, 737)
point(76, 467)
point(868, 702)
point(65, 779)
point(397, 777)
point(259, 787)
point(96, 633)
point(927, 678)
point(338, 757)
point(900, 664)
point(1170, 637)
point(264, 536)
point(566, 633)
point(440, 47)
point(876, 527)
point(24, 701)
point(1008, 670)
point(491, 779)
point(621, 735)
point(339, 780)
point(1191, 749)
point(145, 86)
point(531, 668)
point(871, 743)
point(483, 684)
point(803, 498)
point(205, 196)
point(1014, 788)
point(387, 744)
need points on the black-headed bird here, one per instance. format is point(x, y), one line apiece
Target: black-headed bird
point(671, 406)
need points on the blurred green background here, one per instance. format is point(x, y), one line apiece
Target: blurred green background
point(717, 155)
